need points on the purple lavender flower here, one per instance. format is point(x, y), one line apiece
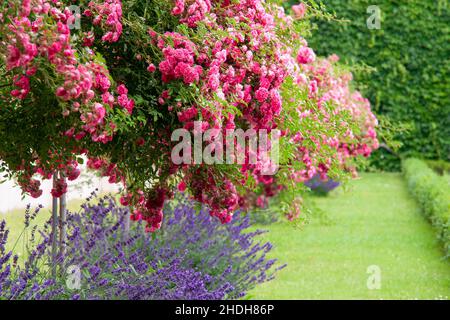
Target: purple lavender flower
point(321, 186)
point(193, 257)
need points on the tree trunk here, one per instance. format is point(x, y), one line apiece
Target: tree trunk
point(62, 223)
point(54, 230)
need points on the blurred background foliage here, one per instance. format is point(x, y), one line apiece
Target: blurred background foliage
point(403, 68)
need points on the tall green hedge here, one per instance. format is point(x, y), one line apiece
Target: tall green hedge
point(432, 192)
point(411, 54)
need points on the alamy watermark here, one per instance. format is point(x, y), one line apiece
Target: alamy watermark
point(374, 279)
point(74, 22)
point(260, 148)
point(73, 280)
point(374, 20)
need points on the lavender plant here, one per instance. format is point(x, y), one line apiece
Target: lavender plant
point(321, 186)
point(192, 257)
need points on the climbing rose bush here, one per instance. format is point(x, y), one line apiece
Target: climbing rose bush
point(329, 85)
point(116, 88)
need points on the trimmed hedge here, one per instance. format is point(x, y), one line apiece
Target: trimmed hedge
point(410, 53)
point(433, 194)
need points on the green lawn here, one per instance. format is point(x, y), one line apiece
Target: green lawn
point(377, 223)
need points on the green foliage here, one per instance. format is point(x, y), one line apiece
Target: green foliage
point(411, 56)
point(440, 166)
point(433, 194)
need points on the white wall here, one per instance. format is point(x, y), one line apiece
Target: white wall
point(11, 195)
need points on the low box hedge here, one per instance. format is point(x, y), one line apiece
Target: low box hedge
point(433, 194)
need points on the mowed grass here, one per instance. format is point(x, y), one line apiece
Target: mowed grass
point(376, 222)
